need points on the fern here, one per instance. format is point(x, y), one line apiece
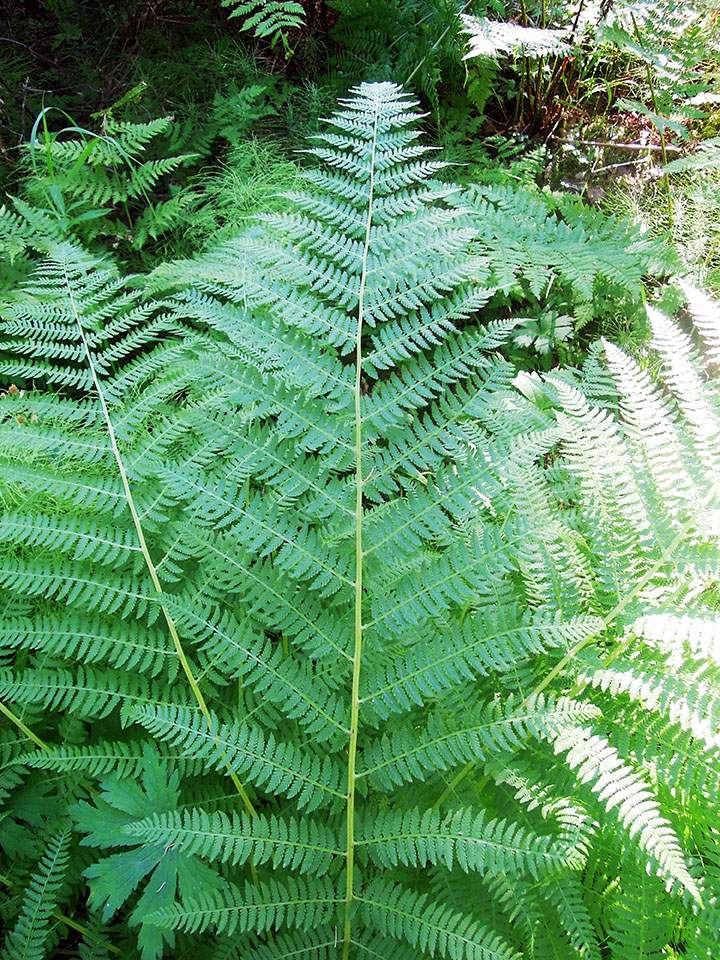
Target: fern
point(488, 38)
point(566, 263)
point(28, 939)
point(85, 185)
point(329, 634)
point(268, 18)
point(707, 157)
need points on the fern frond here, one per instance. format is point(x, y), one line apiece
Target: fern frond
point(274, 766)
point(264, 668)
point(124, 759)
point(410, 753)
point(454, 627)
point(90, 640)
point(491, 38)
point(88, 692)
point(291, 844)
point(95, 943)
point(263, 528)
point(102, 594)
point(403, 914)
point(642, 924)
point(419, 837)
point(87, 175)
point(267, 18)
point(705, 316)
point(618, 785)
point(39, 330)
point(270, 906)
point(575, 919)
point(491, 640)
point(685, 699)
point(28, 938)
point(273, 597)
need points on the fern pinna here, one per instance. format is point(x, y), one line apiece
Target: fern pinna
point(330, 635)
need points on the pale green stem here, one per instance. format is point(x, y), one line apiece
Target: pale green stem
point(22, 726)
point(357, 651)
point(152, 570)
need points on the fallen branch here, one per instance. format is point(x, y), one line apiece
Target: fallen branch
point(616, 145)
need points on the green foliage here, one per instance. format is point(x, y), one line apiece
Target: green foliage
point(422, 650)
point(32, 933)
point(558, 261)
point(267, 18)
point(167, 868)
point(252, 179)
point(707, 157)
point(693, 230)
point(96, 184)
point(672, 42)
point(133, 187)
point(40, 325)
point(409, 41)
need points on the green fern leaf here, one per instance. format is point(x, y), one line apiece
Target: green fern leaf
point(405, 915)
point(618, 785)
point(29, 937)
point(302, 845)
point(243, 748)
point(268, 906)
point(417, 838)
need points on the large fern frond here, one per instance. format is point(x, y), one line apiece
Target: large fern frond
point(372, 647)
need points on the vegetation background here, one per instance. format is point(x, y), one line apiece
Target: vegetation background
point(360, 523)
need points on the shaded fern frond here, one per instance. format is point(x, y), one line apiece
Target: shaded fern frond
point(28, 938)
point(39, 329)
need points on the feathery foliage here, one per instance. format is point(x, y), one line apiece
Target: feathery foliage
point(491, 38)
point(29, 938)
point(84, 185)
point(267, 18)
point(558, 263)
point(422, 657)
